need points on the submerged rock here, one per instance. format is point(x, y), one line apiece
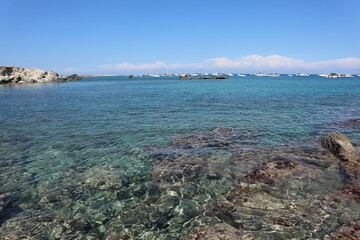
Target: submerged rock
point(350, 124)
point(6, 201)
point(220, 231)
point(32, 75)
point(210, 185)
point(218, 138)
point(349, 231)
point(104, 177)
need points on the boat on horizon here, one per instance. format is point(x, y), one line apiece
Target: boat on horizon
point(266, 75)
point(333, 75)
point(273, 75)
point(302, 74)
point(259, 74)
point(189, 77)
point(154, 75)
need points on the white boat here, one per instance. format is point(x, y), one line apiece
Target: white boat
point(290, 75)
point(241, 75)
point(333, 75)
point(229, 74)
point(302, 74)
point(215, 74)
point(348, 76)
point(323, 74)
point(274, 75)
point(260, 74)
point(154, 75)
point(266, 75)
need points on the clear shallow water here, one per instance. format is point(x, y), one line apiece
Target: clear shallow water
point(51, 132)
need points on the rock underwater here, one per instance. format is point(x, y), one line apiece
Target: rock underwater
point(9, 75)
point(223, 188)
point(219, 185)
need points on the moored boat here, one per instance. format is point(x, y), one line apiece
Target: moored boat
point(333, 75)
point(259, 74)
point(274, 75)
point(302, 74)
point(154, 75)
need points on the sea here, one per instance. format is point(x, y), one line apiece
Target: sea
point(77, 157)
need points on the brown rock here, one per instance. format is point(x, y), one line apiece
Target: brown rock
point(351, 190)
point(341, 146)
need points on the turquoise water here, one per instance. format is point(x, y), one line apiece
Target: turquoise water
point(49, 132)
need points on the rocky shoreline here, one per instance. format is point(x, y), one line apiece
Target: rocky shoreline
point(203, 185)
point(17, 75)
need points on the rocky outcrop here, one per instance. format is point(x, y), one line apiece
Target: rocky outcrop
point(10, 75)
point(341, 146)
point(350, 156)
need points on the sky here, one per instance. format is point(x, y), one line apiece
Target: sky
point(178, 36)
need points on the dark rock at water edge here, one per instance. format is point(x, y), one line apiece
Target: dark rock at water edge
point(342, 147)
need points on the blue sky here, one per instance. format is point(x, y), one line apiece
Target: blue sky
point(181, 35)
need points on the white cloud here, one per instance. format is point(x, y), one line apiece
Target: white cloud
point(257, 61)
point(251, 63)
point(149, 67)
point(345, 64)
